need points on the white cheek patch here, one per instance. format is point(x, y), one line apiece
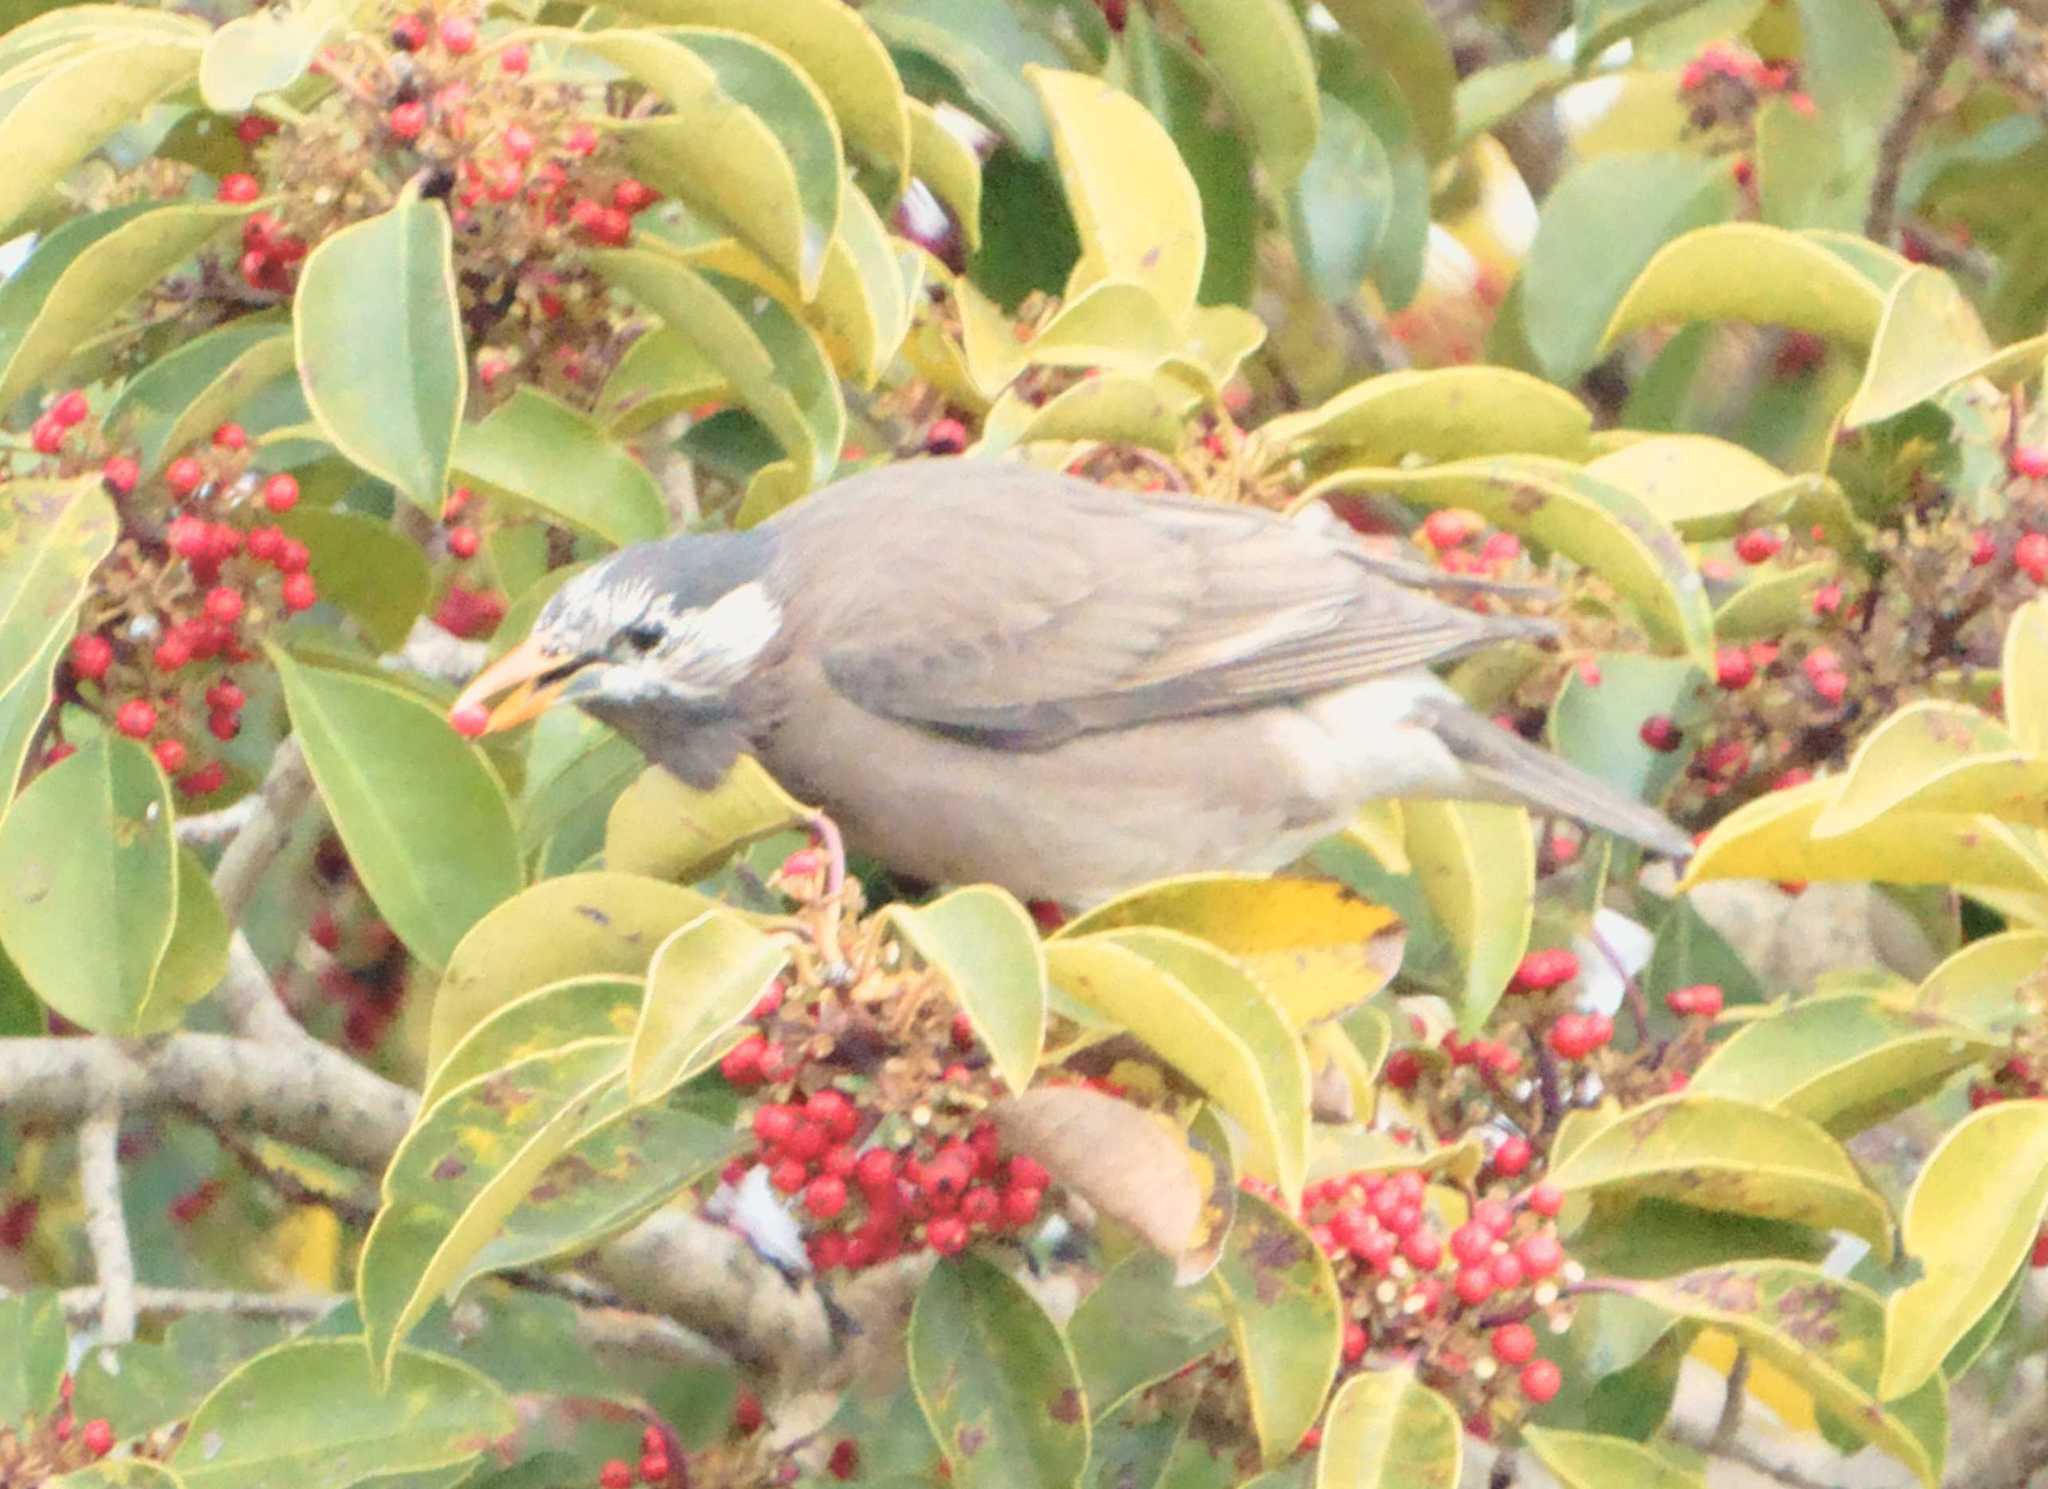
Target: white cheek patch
point(713, 648)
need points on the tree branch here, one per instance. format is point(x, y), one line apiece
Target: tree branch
point(106, 1223)
point(282, 796)
point(1897, 141)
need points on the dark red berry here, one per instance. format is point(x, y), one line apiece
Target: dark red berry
point(1660, 733)
point(945, 437)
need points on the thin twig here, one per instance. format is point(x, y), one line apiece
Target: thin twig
point(283, 795)
point(1729, 1427)
point(1632, 991)
point(1897, 140)
point(83, 1304)
point(209, 829)
point(106, 1223)
point(1749, 1458)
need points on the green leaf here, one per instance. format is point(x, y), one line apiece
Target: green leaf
point(773, 363)
point(1851, 66)
point(661, 374)
point(378, 576)
point(2023, 672)
point(1403, 37)
point(1351, 75)
point(1476, 864)
point(1721, 1154)
point(702, 983)
point(1597, 726)
point(1928, 340)
point(549, 1018)
point(1486, 98)
point(996, 1382)
point(1969, 1249)
point(85, 274)
point(944, 163)
point(425, 821)
point(1341, 202)
point(1286, 1319)
point(837, 49)
point(34, 1350)
point(189, 391)
point(53, 534)
point(982, 944)
point(1704, 487)
point(378, 335)
point(1113, 408)
point(120, 1473)
point(76, 103)
point(265, 51)
point(578, 925)
point(665, 830)
point(1597, 525)
point(22, 708)
point(1262, 57)
point(1977, 985)
point(1444, 413)
point(1587, 1460)
point(89, 890)
point(1846, 1062)
point(1601, 225)
point(311, 1414)
point(983, 49)
point(1386, 1430)
point(1138, 1326)
point(544, 454)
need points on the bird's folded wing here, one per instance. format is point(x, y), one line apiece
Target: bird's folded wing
point(1022, 607)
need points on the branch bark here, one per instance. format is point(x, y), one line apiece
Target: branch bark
point(1897, 142)
point(106, 1221)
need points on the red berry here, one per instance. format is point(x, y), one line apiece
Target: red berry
point(281, 492)
point(1546, 1199)
point(1701, 1000)
point(265, 543)
point(407, 120)
point(634, 196)
point(1507, 1271)
point(1020, 1204)
point(254, 129)
point(224, 604)
point(120, 473)
point(1514, 1344)
point(1421, 1249)
point(1831, 686)
point(409, 33)
point(1541, 1380)
point(2030, 553)
point(653, 1468)
point(463, 542)
point(875, 1170)
point(746, 1413)
point(223, 726)
point(170, 754)
point(209, 778)
point(1734, 669)
point(980, 1206)
point(611, 226)
point(2040, 1255)
point(470, 722)
point(298, 592)
point(1449, 527)
point(1540, 1254)
point(1474, 1285)
point(582, 139)
point(2030, 461)
point(774, 1123)
point(844, 1461)
point(47, 435)
point(838, 1115)
point(136, 718)
point(1495, 1216)
point(292, 556)
point(1660, 733)
point(788, 1175)
point(945, 437)
point(947, 1235)
point(70, 409)
point(183, 475)
point(238, 187)
point(458, 34)
point(515, 60)
point(231, 437)
point(1983, 549)
point(98, 1437)
point(1757, 545)
point(617, 1473)
point(1403, 1069)
point(1512, 1157)
point(1029, 1173)
point(742, 1063)
point(91, 656)
point(1471, 1242)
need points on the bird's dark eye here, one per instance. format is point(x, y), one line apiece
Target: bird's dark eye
point(643, 636)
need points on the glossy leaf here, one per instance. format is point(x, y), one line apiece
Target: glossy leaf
point(1202, 1042)
point(1935, 756)
point(1476, 864)
point(983, 946)
point(1590, 1460)
point(1386, 1430)
point(997, 1383)
point(579, 925)
point(53, 534)
point(34, 1351)
point(1928, 338)
point(983, 49)
point(1138, 1326)
point(379, 344)
point(1749, 272)
point(1111, 408)
point(264, 51)
point(1138, 210)
point(1970, 1221)
point(946, 165)
point(1702, 486)
point(1316, 947)
point(1262, 57)
point(1974, 987)
point(1601, 526)
point(1286, 1320)
point(1444, 413)
point(2023, 673)
point(703, 981)
point(425, 821)
point(1405, 38)
point(258, 362)
point(310, 1413)
point(85, 274)
point(1720, 1154)
point(1846, 1061)
point(1341, 202)
point(661, 374)
point(360, 564)
point(547, 456)
point(23, 706)
point(663, 829)
point(67, 112)
point(549, 1018)
point(1597, 726)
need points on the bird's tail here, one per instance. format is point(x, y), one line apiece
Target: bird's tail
point(1520, 772)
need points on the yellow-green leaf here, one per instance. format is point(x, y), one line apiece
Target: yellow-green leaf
point(549, 1018)
point(1935, 756)
point(1387, 1430)
point(1476, 864)
point(1137, 208)
point(2023, 673)
point(378, 334)
point(1286, 1319)
point(1262, 59)
point(943, 162)
point(703, 981)
point(1444, 413)
point(1719, 1154)
point(660, 374)
point(1702, 486)
point(665, 830)
point(543, 454)
point(982, 942)
point(1970, 1221)
point(1929, 338)
point(53, 534)
point(1111, 408)
point(1314, 945)
point(1592, 1460)
point(1979, 985)
point(264, 51)
point(1112, 326)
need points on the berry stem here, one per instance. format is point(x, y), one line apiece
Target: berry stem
point(1632, 990)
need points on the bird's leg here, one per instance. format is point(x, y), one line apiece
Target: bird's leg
point(825, 834)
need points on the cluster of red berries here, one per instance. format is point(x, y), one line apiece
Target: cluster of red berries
point(1458, 1305)
point(1720, 69)
point(271, 255)
point(1703, 1000)
point(59, 1444)
point(2016, 1078)
point(55, 423)
point(1449, 531)
point(654, 1466)
point(1542, 970)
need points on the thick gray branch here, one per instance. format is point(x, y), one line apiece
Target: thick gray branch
point(106, 1221)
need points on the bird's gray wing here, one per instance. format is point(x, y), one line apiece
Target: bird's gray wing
point(1015, 605)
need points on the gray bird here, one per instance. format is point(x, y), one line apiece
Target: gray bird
point(991, 672)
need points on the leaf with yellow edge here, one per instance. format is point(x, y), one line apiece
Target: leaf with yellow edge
point(660, 374)
point(1361, 1150)
point(1719, 1154)
point(1137, 208)
point(1969, 1248)
point(1381, 830)
point(1772, 838)
point(1387, 1430)
point(1202, 1041)
point(1825, 1332)
point(1935, 756)
point(985, 947)
point(1772, 602)
point(1262, 59)
point(1745, 271)
point(1593, 1460)
point(1112, 408)
point(1314, 945)
point(1930, 338)
point(1217, 340)
point(1286, 1319)
point(574, 926)
point(1476, 864)
point(663, 829)
point(945, 163)
point(1695, 482)
point(1977, 986)
point(704, 979)
point(1113, 325)
point(265, 51)
point(1596, 524)
point(1846, 1061)
point(549, 1018)
point(2023, 673)
point(1444, 413)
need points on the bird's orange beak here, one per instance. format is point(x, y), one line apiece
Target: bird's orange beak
point(521, 671)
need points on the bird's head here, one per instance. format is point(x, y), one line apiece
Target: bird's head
point(668, 627)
